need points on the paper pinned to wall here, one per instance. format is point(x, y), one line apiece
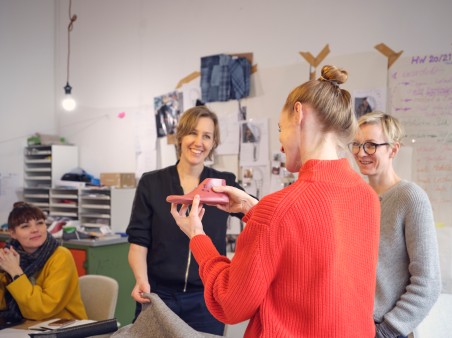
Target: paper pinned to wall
point(145, 142)
point(191, 92)
point(229, 134)
point(254, 142)
point(367, 100)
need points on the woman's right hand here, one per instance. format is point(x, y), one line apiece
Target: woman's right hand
point(138, 290)
point(239, 200)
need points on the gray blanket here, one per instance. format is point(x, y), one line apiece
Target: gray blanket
point(157, 320)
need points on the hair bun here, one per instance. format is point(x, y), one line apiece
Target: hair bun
point(334, 75)
point(20, 204)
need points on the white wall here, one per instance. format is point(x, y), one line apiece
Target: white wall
point(27, 86)
point(124, 53)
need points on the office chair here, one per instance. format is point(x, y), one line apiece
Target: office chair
point(100, 295)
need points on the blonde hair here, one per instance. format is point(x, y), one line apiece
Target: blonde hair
point(188, 122)
point(391, 126)
point(332, 104)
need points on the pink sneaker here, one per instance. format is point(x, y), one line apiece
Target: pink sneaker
point(205, 192)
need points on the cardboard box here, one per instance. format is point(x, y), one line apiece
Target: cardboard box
point(118, 180)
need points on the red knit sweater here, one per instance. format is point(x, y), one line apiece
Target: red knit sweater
point(305, 263)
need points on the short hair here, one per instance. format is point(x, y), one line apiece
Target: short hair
point(391, 126)
point(188, 122)
point(332, 104)
point(22, 213)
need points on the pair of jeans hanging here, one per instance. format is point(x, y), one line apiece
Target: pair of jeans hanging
point(215, 78)
point(224, 78)
point(240, 70)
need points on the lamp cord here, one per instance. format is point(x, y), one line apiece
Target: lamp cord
point(72, 18)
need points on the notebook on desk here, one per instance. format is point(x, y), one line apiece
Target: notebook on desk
point(79, 330)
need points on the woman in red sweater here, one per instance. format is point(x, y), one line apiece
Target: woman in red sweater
point(305, 263)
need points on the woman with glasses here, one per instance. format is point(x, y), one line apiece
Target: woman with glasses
point(305, 264)
point(408, 274)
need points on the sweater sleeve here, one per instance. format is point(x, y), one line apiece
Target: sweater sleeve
point(56, 286)
point(235, 289)
point(424, 285)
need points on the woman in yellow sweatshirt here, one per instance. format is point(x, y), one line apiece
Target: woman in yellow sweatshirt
point(38, 278)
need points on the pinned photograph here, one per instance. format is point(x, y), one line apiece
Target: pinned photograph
point(168, 109)
point(364, 105)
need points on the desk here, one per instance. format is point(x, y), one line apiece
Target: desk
point(21, 330)
point(108, 258)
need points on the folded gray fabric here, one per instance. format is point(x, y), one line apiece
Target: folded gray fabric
point(157, 320)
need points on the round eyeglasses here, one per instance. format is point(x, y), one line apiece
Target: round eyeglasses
point(369, 147)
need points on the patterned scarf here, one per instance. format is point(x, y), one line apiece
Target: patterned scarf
point(31, 264)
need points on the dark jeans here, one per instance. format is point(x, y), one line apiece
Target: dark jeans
point(191, 308)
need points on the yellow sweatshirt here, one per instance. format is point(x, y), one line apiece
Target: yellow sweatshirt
point(56, 292)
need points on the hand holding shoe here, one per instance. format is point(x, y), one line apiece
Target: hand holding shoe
point(239, 200)
point(190, 224)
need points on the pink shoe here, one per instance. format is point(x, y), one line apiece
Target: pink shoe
point(207, 195)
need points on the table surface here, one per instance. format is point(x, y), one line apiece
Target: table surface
point(21, 330)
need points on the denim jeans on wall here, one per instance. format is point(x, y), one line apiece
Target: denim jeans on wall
point(224, 78)
point(215, 78)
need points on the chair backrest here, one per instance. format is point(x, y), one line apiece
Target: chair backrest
point(100, 295)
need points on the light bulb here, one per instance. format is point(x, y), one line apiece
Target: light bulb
point(68, 102)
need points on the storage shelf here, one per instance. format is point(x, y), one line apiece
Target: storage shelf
point(95, 215)
point(43, 165)
point(94, 225)
point(95, 206)
point(40, 204)
point(38, 178)
point(63, 213)
point(65, 196)
point(35, 151)
point(36, 195)
point(30, 161)
point(64, 205)
point(96, 197)
point(38, 170)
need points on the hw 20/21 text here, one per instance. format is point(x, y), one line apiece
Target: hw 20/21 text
point(446, 58)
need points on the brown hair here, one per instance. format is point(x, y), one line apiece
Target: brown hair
point(332, 104)
point(22, 213)
point(188, 122)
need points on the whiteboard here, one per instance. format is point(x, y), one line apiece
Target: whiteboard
point(420, 95)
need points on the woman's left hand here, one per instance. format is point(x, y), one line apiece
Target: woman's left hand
point(10, 261)
point(190, 224)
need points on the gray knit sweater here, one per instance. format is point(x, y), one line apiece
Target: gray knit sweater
point(408, 272)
